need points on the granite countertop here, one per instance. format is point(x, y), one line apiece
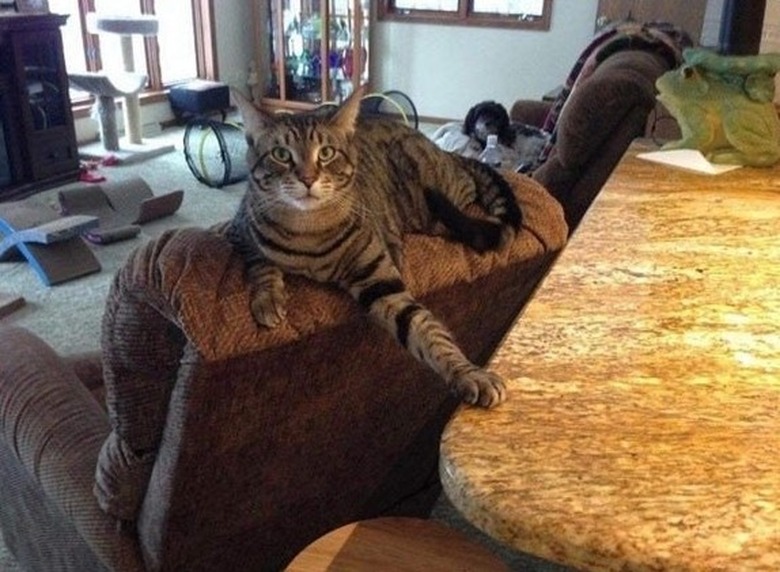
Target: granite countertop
point(642, 428)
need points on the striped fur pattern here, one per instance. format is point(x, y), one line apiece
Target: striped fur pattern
point(330, 197)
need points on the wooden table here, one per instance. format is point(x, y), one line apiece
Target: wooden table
point(395, 544)
point(642, 430)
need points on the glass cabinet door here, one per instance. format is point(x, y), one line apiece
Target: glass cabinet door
point(348, 56)
point(40, 65)
point(318, 49)
point(38, 146)
point(5, 159)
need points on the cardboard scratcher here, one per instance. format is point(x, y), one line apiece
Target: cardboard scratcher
point(119, 206)
point(10, 303)
point(52, 244)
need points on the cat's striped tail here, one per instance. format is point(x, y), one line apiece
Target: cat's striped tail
point(494, 195)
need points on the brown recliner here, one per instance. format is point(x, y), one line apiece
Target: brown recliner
point(602, 115)
point(198, 441)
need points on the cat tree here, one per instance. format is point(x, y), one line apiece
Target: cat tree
point(109, 84)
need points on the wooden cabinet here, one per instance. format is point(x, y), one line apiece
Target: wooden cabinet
point(309, 52)
point(37, 138)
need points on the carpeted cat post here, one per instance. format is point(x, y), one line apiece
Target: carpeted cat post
point(108, 84)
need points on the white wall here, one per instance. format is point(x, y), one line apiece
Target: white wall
point(447, 69)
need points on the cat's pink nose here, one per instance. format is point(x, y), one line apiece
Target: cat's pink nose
point(307, 179)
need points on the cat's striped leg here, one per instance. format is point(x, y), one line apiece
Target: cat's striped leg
point(428, 340)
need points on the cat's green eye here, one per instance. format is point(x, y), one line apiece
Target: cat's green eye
point(326, 153)
point(281, 154)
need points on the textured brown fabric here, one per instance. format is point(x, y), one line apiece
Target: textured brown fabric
point(232, 446)
point(190, 278)
point(596, 108)
point(51, 429)
point(88, 367)
point(531, 112)
point(603, 115)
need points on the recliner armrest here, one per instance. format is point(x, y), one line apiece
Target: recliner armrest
point(88, 367)
point(55, 427)
point(186, 292)
point(530, 112)
point(594, 110)
point(603, 114)
point(47, 413)
point(596, 107)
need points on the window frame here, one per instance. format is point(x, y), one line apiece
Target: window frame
point(464, 16)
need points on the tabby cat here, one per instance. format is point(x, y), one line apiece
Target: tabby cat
point(330, 196)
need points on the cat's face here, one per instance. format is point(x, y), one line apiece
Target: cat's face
point(300, 161)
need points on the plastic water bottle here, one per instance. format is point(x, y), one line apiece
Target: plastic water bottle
point(491, 155)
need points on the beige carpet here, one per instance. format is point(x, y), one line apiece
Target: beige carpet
point(68, 315)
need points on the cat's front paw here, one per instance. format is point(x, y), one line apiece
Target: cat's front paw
point(269, 306)
point(480, 387)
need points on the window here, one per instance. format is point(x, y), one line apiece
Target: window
point(530, 14)
point(179, 52)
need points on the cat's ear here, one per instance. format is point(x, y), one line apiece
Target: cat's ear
point(254, 119)
point(346, 116)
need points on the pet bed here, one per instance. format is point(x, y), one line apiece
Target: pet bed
point(120, 207)
point(523, 156)
point(51, 244)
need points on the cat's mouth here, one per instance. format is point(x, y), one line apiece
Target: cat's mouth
point(303, 197)
point(308, 201)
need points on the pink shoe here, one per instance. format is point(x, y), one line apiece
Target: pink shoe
point(90, 176)
point(110, 160)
